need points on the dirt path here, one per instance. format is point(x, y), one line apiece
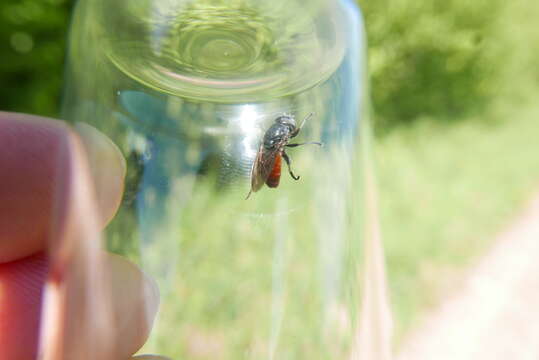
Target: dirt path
point(495, 316)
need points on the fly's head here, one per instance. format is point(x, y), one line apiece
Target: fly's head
point(288, 121)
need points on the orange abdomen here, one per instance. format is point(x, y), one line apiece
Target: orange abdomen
point(275, 175)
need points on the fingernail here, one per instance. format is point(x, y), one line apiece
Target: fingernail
point(107, 167)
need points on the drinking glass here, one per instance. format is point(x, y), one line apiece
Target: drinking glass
point(193, 93)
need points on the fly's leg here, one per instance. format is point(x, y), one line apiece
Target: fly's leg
point(306, 143)
point(287, 159)
point(296, 132)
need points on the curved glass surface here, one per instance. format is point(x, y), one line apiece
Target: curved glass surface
point(188, 90)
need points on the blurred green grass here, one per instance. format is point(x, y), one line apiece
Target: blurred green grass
point(445, 193)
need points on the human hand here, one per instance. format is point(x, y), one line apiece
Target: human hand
point(53, 274)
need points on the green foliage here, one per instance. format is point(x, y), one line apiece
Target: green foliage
point(32, 47)
point(431, 58)
point(436, 59)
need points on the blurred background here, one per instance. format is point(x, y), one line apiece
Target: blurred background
point(454, 86)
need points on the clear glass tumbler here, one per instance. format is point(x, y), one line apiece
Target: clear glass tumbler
point(254, 258)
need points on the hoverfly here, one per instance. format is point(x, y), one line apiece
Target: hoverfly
point(267, 165)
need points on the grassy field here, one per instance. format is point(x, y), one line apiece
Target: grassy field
point(445, 192)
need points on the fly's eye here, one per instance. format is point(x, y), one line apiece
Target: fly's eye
point(285, 120)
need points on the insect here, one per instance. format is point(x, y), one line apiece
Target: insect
point(267, 165)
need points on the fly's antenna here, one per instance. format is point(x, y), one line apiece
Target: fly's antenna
point(306, 118)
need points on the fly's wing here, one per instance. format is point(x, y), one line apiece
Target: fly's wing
point(262, 167)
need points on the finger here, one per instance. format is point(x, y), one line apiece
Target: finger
point(28, 165)
point(136, 298)
point(79, 314)
point(78, 319)
point(21, 285)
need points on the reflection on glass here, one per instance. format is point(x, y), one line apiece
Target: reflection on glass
point(187, 90)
